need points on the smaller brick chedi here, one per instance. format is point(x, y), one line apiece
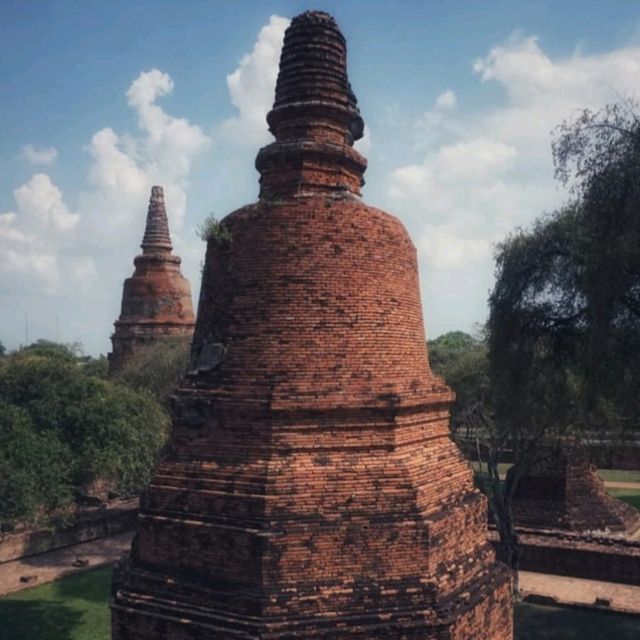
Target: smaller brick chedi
point(156, 300)
point(310, 488)
point(563, 493)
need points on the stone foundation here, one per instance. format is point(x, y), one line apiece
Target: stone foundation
point(89, 524)
point(595, 558)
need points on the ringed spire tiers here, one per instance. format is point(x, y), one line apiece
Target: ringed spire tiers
point(156, 300)
point(310, 488)
point(315, 117)
point(156, 234)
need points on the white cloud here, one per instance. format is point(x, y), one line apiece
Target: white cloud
point(446, 247)
point(44, 156)
point(252, 85)
point(40, 202)
point(460, 180)
point(446, 100)
point(50, 249)
point(483, 173)
point(30, 236)
point(365, 143)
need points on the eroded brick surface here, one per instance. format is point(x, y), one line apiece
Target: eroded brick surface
point(310, 488)
point(156, 300)
point(566, 494)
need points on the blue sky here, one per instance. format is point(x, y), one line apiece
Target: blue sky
point(100, 100)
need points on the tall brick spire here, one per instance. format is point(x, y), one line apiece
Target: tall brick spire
point(156, 300)
point(156, 234)
point(315, 117)
point(310, 488)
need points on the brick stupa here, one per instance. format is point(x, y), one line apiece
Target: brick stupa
point(565, 494)
point(156, 300)
point(310, 488)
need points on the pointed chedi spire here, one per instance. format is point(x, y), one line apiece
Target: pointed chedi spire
point(156, 234)
point(315, 117)
point(156, 300)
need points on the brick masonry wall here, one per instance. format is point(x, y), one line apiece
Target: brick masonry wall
point(312, 470)
point(605, 559)
point(90, 524)
point(310, 488)
point(568, 495)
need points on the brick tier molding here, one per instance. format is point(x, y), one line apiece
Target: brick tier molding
point(156, 300)
point(310, 488)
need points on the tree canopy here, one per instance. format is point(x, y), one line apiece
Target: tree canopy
point(461, 360)
point(157, 368)
point(564, 325)
point(563, 333)
point(62, 427)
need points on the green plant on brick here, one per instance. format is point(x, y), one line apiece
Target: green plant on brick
point(213, 230)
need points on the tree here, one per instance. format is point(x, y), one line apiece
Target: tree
point(535, 346)
point(49, 349)
point(157, 368)
point(563, 329)
point(35, 469)
point(95, 428)
point(599, 156)
point(461, 360)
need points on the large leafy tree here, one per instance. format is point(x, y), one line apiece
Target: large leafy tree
point(563, 330)
point(61, 427)
point(461, 359)
point(158, 368)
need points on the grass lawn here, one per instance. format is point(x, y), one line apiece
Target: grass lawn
point(619, 475)
point(632, 496)
point(75, 608)
point(608, 475)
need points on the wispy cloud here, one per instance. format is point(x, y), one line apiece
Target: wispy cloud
point(485, 172)
point(44, 156)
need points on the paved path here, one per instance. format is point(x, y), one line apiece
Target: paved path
point(49, 566)
point(578, 591)
point(611, 484)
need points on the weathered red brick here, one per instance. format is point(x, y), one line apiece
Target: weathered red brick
point(564, 493)
point(310, 488)
point(156, 300)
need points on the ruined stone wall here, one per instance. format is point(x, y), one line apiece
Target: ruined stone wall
point(568, 495)
point(595, 558)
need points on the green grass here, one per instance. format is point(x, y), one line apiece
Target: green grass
point(75, 608)
point(608, 475)
point(619, 475)
point(631, 496)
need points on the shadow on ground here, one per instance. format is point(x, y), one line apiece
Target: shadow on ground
point(74, 608)
point(535, 622)
point(49, 620)
point(85, 586)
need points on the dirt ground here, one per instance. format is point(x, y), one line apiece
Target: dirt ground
point(45, 567)
point(578, 591)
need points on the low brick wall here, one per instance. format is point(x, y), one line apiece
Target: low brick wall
point(90, 524)
point(594, 558)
